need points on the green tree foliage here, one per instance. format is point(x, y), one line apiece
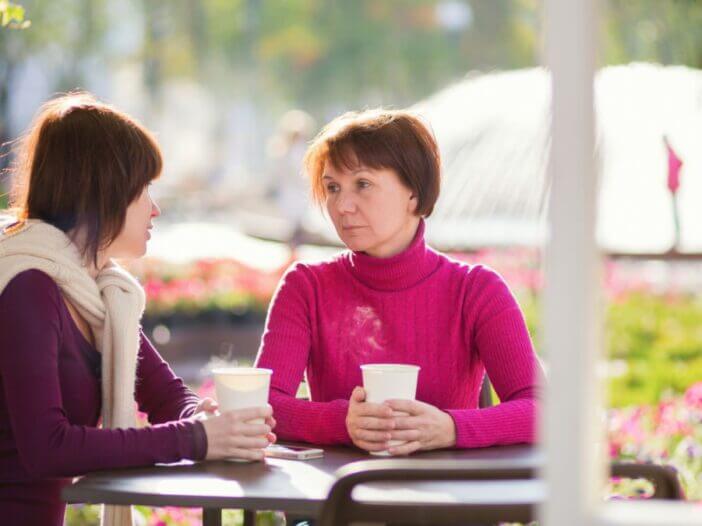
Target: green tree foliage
point(12, 16)
point(652, 31)
point(356, 53)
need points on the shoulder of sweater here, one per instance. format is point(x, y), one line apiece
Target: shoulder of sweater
point(318, 267)
point(34, 290)
point(480, 280)
point(477, 272)
point(33, 282)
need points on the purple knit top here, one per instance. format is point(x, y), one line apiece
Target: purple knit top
point(50, 405)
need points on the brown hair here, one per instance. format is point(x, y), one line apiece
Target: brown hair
point(80, 165)
point(390, 139)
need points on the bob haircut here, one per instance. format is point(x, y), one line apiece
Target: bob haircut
point(80, 165)
point(379, 139)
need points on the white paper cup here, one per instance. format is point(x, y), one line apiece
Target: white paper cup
point(389, 381)
point(241, 388)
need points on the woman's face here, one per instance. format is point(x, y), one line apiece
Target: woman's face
point(372, 210)
point(131, 241)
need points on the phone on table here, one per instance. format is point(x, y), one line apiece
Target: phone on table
point(293, 452)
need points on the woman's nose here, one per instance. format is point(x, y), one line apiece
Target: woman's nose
point(155, 210)
point(345, 204)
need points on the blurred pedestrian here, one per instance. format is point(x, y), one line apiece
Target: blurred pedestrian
point(286, 151)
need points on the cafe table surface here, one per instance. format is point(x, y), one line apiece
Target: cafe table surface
point(298, 487)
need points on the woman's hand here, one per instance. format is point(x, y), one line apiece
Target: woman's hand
point(425, 427)
point(206, 405)
point(368, 424)
point(232, 434)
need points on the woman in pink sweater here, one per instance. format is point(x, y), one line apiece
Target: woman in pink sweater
point(392, 299)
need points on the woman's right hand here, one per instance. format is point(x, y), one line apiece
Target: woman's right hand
point(368, 424)
point(232, 434)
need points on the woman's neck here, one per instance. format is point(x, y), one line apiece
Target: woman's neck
point(398, 243)
point(399, 272)
point(94, 267)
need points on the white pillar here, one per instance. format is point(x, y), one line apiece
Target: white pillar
point(572, 322)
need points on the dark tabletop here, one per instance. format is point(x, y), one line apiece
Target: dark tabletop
point(296, 486)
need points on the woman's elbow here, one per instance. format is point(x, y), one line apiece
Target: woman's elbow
point(50, 457)
point(44, 463)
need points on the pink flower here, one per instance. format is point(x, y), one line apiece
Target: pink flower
point(693, 395)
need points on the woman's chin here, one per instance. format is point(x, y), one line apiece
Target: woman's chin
point(137, 252)
point(357, 245)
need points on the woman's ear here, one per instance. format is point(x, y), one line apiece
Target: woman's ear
point(412, 203)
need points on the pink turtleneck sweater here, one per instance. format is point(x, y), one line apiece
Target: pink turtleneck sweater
point(419, 307)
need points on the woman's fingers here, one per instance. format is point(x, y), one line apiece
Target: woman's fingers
point(207, 405)
point(408, 422)
point(240, 434)
point(408, 435)
point(250, 430)
point(371, 446)
point(360, 407)
point(358, 395)
point(372, 436)
point(376, 424)
point(246, 454)
point(247, 442)
point(405, 449)
point(411, 407)
point(367, 409)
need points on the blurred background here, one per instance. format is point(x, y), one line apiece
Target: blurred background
point(234, 90)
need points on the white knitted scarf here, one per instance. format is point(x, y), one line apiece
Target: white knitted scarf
point(112, 304)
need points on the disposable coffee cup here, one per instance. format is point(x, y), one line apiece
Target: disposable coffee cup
point(390, 381)
point(242, 388)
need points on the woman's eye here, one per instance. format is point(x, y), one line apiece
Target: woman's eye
point(332, 188)
point(363, 184)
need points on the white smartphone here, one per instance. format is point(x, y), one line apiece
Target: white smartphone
point(293, 452)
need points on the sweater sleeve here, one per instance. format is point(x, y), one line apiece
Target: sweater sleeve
point(159, 392)
point(285, 349)
point(48, 444)
point(499, 333)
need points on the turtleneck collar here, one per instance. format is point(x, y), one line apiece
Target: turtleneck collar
point(398, 272)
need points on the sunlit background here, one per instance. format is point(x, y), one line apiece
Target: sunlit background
point(234, 89)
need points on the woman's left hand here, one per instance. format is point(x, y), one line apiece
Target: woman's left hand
point(206, 405)
point(425, 427)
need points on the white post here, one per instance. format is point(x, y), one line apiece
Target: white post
point(570, 429)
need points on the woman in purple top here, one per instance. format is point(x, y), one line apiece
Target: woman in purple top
point(81, 197)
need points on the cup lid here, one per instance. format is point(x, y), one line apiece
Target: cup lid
point(390, 367)
point(243, 371)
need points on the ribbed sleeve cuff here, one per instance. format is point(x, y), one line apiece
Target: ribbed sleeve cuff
point(335, 422)
point(504, 424)
point(322, 423)
point(199, 441)
point(466, 436)
point(192, 439)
